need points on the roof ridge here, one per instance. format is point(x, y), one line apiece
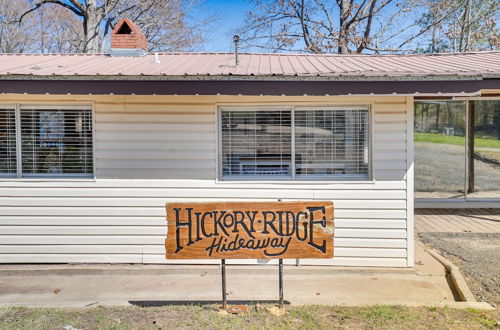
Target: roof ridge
point(327, 54)
point(270, 54)
point(54, 54)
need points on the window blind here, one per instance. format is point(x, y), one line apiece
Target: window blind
point(56, 142)
point(331, 143)
point(256, 143)
point(295, 143)
point(8, 165)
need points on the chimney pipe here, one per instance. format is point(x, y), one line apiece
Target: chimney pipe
point(236, 40)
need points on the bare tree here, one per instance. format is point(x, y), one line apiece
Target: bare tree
point(454, 25)
point(163, 21)
point(14, 38)
point(356, 26)
point(313, 25)
point(56, 31)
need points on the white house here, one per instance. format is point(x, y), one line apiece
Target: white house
point(92, 146)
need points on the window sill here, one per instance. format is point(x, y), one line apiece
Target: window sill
point(296, 182)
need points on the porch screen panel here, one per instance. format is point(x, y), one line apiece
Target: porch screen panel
point(56, 142)
point(256, 143)
point(484, 176)
point(440, 148)
point(8, 164)
point(331, 143)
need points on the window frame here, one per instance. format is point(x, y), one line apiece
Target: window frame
point(293, 179)
point(11, 106)
point(19, 176)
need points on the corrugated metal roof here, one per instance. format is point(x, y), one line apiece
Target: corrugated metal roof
point(483, 64)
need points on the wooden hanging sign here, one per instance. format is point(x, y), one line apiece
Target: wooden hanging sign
point(250, 230)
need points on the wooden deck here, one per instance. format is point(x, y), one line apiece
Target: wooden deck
point(457, 220)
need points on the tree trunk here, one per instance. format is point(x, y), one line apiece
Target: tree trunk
point(343, 33)
point(464, 31)
point(91, 26)
point(433, 43)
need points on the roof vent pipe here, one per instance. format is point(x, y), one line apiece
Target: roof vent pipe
point(236, 40)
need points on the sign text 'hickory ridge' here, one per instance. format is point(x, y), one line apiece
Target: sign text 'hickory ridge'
point(250, 230)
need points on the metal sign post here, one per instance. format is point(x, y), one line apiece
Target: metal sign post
point(281, 282)
point(224, 294)
point(223, 277)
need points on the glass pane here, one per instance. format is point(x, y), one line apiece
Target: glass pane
point(485, 178)
point(8, 166)
point(440, 149)
point(56, 142)
point(256, 144)
point(331, 143)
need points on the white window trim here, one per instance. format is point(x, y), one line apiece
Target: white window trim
point(11, 106)
point(292, 179)
point(48, 176)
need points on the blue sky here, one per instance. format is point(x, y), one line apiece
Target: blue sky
point(231, 14)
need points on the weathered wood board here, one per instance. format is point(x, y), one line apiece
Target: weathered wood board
point(249, 230)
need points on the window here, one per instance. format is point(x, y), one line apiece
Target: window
point(8, 163)
point(51, 141)
point(299, 143)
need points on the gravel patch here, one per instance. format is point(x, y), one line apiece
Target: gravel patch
point(477, 254)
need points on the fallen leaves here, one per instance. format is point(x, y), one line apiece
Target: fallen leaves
point(276, 311)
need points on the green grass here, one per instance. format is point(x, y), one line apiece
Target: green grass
point(207, 317)
point(455, 140)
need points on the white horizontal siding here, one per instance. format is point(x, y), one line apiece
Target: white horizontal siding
point(154, 145)
point(160, 202)
point(159, 250)
point(162, 231)
point(160, 221)
point(159, 211)
point(187, 117)
point(105, 240)
point(143, 142)
point(151, 154)
point(389, 145)
point(221, 192)
point(161, 154)
point(202, 184)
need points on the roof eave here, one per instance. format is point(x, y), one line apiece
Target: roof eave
point(273, 77)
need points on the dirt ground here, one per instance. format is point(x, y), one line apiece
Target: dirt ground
point(207, 317)
point(478, 256)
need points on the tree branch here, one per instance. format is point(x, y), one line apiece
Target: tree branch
point(44, 2)
point(428, 27)
point(78, 5)
point(366, 35)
